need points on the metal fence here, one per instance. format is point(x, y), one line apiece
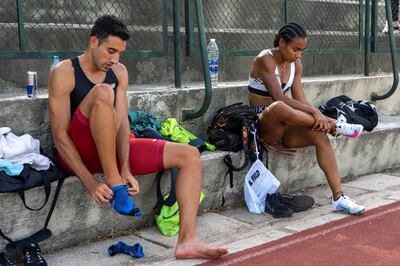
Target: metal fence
point(40, 28)
point(379, 39)
point(244, 27)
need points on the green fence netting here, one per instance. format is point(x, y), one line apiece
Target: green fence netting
point(42, 27)
point(380, 39)
point(39, 28)
point(244, 27)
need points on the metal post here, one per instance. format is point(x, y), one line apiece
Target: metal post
point(393, 53)
point(21, 28)
point(374, 22)
point(286, 12)
point(190, 114)
point(177, 45)
point(189, 26)
point(165, 26)
point(367, 31)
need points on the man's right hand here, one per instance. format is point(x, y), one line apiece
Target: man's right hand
point(100, 193)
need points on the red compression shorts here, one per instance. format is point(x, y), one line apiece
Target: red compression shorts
point(145, 157)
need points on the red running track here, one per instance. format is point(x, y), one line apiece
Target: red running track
point(369, 239)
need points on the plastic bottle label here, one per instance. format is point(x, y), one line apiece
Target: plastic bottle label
point(213, 65)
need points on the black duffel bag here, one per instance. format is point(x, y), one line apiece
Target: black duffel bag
point(30, 178)
point(345, 109)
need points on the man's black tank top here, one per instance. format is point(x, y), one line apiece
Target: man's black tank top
point(83, 85)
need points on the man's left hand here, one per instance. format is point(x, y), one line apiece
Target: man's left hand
point(132, 183)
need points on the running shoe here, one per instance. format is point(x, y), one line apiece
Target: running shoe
point(33, 255)
point(349, 130)
point(395, 27)
point(4, 261)
point(298, 203)
point(275, 206)
point(346, 204)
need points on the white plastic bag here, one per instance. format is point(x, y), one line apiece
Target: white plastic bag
point(259, 182)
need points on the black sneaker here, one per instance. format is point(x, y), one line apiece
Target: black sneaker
point(33, 256)
point(4, 261)
point(275, 207)
point(297, 203)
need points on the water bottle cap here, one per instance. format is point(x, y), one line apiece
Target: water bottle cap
point(213, 40)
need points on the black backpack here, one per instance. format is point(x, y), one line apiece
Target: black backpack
point(228, 130)
point(347, 110)
point(232, 130)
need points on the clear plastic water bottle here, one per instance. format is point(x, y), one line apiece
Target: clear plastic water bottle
point(213, 55)
point(54, 62)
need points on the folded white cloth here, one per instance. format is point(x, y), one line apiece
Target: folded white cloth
point(21, 150)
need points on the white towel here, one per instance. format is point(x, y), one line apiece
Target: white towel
point(21, 150)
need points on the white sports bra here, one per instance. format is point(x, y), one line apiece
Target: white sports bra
point(256, 85)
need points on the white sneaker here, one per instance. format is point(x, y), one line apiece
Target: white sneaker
point(346, 204)
point(348, 130)
point(395, 24)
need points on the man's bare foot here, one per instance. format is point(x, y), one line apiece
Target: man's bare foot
point(196, 249)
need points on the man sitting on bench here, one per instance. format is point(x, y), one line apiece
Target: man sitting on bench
point(89, 121)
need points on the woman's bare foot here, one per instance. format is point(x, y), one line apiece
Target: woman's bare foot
point(196, 249)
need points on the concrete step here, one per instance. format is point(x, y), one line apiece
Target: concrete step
point(343, 15)
point(45, 29)
point(78, 219)
point(25, 115)
point(260, 39)
point(73, 37)
point(78, 12)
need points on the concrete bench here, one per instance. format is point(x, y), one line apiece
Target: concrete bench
point(78, 219)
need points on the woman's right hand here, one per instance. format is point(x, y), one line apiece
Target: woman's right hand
point(322, 123)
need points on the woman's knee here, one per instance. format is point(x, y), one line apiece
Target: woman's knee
point(320, 139)
point(103, 94)
point(280, 109)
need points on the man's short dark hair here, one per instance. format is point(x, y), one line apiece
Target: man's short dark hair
point(107, 25)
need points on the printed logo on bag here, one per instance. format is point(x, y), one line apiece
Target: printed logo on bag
point(254, 177)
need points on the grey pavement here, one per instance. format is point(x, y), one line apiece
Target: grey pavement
point(236, 228)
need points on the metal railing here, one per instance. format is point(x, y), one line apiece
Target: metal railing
point(190, 114)
point(393, 53)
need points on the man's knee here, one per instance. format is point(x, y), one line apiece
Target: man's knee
point(193, 154)
point(103, 94)
point(189, 156)
point(280, 109)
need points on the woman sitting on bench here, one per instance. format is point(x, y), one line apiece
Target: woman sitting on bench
point(287, 123)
